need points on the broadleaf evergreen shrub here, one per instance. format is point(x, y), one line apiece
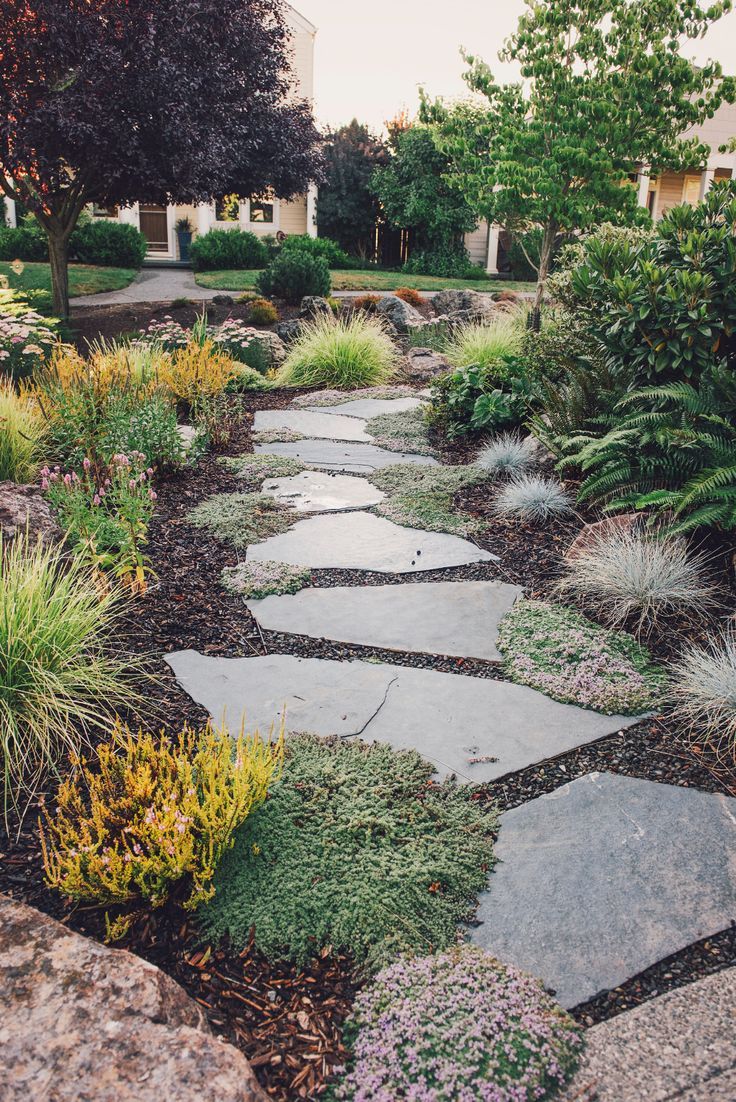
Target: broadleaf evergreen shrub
point(227, 249)
point(292, 275)
point(108, 244)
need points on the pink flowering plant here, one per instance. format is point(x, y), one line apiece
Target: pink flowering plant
point(232, 337)
point(562, 654)
point(459, 1025)
point(106, 513)
point(26, 339)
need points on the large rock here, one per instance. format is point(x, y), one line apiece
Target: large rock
point(273, 347)
point(463, 305)
point(288, 331)
point(424, 365)
point(593, 533)
point(83, 1023)
point(400, 314)
point(25, 507)
point(314, 306)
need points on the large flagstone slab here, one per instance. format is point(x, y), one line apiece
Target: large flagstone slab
point(353, 457)
point(606, 876)
point(453, 618)
point(323, 492)
point(362, 541)
point(475, 728)
point(371, 407)
point(316, 424)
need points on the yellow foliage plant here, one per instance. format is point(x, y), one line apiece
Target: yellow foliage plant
point(197, 372)
point(153, 811)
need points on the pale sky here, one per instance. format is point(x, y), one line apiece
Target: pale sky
point(371, 57)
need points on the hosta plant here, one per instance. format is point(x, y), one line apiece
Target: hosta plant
point(458, 1025)
point(146, 812)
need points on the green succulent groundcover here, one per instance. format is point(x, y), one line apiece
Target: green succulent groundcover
point(356, 848)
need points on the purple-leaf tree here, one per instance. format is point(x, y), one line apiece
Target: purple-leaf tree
point(157, 101)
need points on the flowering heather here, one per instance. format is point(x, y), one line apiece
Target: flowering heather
point(254, 580)
point(460, 1026)
point(564, 655)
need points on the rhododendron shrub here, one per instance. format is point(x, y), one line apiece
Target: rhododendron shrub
point(458, 1025)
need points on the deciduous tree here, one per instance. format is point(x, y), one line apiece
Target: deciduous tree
point(347, 208)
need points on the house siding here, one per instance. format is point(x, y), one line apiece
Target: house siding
point(476, 243)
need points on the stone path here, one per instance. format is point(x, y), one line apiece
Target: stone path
point(446, 618)
point(596, 881)
point(152, 285)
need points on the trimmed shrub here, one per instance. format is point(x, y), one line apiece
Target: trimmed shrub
point(563, 655)
point(458, 1025)
point(329, 250)
point(294, 274)
point(358, 849)
point(59, 680)
point(23, 243)
point(228, 249)
point(533, 500)
point(22, 435)
point(342, 353)
point(639, 577)
point(152, 812)
point(108, 244)
point(509, 453)
point(704, 690)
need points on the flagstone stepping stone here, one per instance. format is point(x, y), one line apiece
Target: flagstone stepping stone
point(606, 876)
point(350, 457)
point(458, 618)
point(361, 541)
point(475, 728)
point(370, 407)
point(321, 492)
point(315, 424)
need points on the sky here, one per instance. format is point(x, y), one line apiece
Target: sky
point(372, 57)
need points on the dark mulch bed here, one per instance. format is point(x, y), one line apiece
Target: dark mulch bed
point(288, 1021)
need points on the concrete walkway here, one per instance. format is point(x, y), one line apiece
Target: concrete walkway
point(153, 285)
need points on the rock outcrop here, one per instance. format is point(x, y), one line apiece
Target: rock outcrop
point(25, 507)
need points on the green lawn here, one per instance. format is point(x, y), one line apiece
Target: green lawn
point(366, 281)
point(84, 279)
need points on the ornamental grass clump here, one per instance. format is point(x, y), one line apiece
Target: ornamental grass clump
point(356, 848)
point(148, 812)
point(458, 1025)
point(342, 353)
point(22, 435)
point(639, 577)
point(509, 453)
point(58, 678)
point(487, 344)
point(532, 500)
point(703, 686)
point(567, 657)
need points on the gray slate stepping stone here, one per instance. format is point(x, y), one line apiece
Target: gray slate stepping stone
point(457, 618)
point(361, 541)
point(320, 492)
point(606, 876)
point(370, 407)
point(350, 457)
point(474, 727)
point(315, 424)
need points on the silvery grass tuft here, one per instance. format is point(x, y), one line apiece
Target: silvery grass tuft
point(509, 453)
point(704, 691)
point(58, 680)
point(341, 353)
point(532, 499)
point(642, 576)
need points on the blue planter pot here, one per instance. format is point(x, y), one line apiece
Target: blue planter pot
point(185, 240)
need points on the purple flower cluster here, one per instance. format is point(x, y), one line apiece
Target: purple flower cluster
point(461, 1026)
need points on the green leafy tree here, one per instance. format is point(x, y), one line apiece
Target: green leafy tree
point(604, 91)
point(415, 195)
point(347, 208)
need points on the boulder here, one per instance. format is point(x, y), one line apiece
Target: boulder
point(592, 533)
point(273, 347)
point(24, 507)
point(83, 1023)
point(463, 306)
point(314, 306)
point(424, 365)
point(222, 300)
point(288, 331)
point(399, 313)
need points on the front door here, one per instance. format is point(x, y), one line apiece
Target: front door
point(154, 227)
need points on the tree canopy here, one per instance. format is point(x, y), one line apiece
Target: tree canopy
point(347, 208)
point(159, 101)
point(604, 91)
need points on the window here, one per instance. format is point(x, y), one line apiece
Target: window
point(99, 211)
point(260, 211)
point(227, 209)
point(691, 190)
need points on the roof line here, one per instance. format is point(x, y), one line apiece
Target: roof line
point(302, 20)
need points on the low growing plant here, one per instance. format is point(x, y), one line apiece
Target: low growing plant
point(340, 353)
point(255, 468)
point(150, 812)
point(22, 435)
point(458, 1025)
point(487, 345)
point(532, 500)
point(26, 340)
point(255, 580)
point(411, 296)
point(241, 519)
point(59, 680)
point(401, 432)
point(508, 454)
point(703, 685)
point(468, 400)
point(563, 655)
point(423, 497)
point(356, 849)
point(197, 371)
point(262, 312)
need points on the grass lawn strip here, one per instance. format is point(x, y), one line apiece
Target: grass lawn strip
point(84, 279)
point(366, 280)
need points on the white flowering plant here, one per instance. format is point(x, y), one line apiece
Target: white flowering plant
point(26, 340)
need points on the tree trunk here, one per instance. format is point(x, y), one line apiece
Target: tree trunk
point(58, 258)
point(545, 259)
